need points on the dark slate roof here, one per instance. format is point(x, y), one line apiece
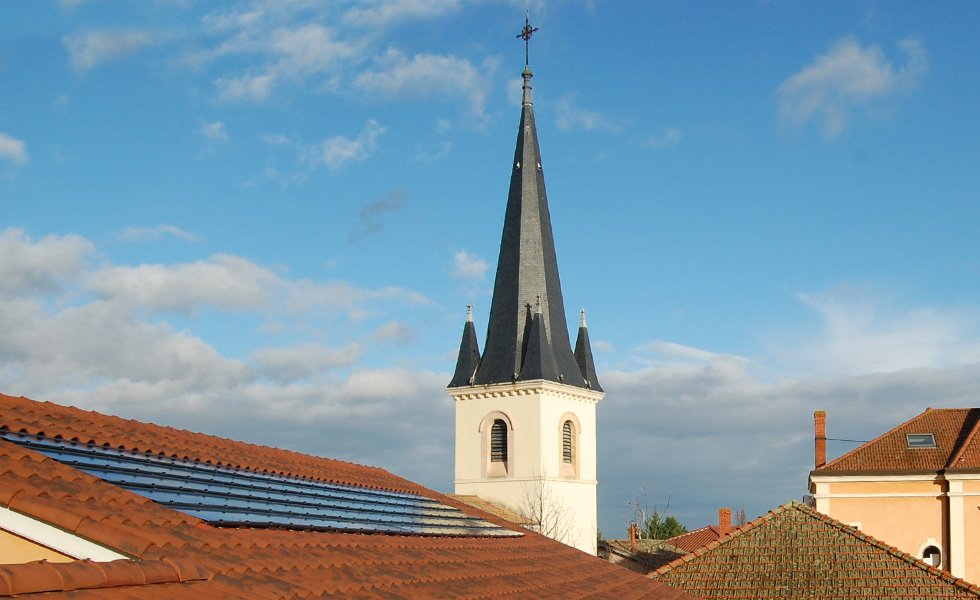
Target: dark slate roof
point(469, 354)
point(957, 446)
point(176, 555)
point(796, 552)
point(583, 355)
point(527, 280)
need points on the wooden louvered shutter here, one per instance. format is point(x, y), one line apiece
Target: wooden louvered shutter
point(566, 442)
point(498, 441)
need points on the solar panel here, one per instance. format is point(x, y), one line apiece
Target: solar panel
point(232, 497)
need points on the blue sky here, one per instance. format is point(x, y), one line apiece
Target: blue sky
point(265, 220)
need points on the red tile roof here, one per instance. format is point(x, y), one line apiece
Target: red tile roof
point(695, 539)
point(174, 555)
point(957, 446)
point(797, 552)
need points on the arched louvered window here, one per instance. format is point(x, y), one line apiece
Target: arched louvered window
point(566, 443)
point(498, 441)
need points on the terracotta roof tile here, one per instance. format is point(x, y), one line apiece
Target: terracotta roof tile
point(797, 552)
point(178, 556)
point(695, 539)
point(957, 445)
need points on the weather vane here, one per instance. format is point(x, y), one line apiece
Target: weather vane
point(526, 34)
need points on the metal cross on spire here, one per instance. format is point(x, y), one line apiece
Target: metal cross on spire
point(525, 35)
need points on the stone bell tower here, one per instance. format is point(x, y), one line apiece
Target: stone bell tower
point(526, 406)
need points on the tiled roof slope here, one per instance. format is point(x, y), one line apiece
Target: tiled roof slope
point(174, 555)
point(957, 445)
point(797, 552)
point(692, 540)
point(651, 553)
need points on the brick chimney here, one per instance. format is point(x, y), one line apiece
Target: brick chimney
point(633, 535)
point(724, 521)
point(819, 438)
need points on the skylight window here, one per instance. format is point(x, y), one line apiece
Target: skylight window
point(233, 497)
point(921, 440)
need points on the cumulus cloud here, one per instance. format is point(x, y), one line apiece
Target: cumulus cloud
point(290, 52)
point(96, 335)
point(224, 282)
point(469, 266)
point(148, 234)
point(848, 78)
point(337, 151)
point(569, 116)
point(46, 265)
point(423, 75)
point(12, 149)
point(88, 50)
point(746, 440)
point(302, 361)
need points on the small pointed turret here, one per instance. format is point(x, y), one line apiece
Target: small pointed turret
point(583, 355)
point(469, 353)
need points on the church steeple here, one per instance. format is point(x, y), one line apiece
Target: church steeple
point(526, 408)
point(522, 345)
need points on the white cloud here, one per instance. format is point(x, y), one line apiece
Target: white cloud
point(223, 281)
point(379, 15)
point(302, 361)
point(337, 151)
point(394, 331)
point(46, 265)
point(110, 352)
point(281, 47)
point(88, 50)
point(147, 234)
point(424, 75)
point(469, 266)
point(12, 149)
point(245, 87)
point(845, 79)
point(215, 131)
point(571, 117)
point(862, 333)
point(671, 136)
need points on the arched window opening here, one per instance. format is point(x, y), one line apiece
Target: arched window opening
point(932, 556)
point(498, 441)
point(566, 443)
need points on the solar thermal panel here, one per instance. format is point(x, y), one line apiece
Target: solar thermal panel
point(234, 497)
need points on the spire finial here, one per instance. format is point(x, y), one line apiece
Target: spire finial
point(581, 322)
point(469, 313)
point(526, 34)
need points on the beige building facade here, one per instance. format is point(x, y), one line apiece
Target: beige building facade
point(916, 487)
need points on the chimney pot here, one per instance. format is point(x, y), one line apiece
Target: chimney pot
point(819, 438)
point(724, 521)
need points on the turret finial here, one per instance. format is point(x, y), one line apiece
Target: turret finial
point(469, 313)
point(581, 322)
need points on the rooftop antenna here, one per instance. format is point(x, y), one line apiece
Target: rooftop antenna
point(526, 34)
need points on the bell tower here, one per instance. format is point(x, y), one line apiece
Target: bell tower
point(526, 406)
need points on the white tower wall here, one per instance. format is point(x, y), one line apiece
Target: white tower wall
point(536, 483)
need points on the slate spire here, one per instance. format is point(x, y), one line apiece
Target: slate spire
point(469, 354)
point(522, 344)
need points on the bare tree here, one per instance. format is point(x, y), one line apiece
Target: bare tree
point(544, 512)
point(653, 523)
